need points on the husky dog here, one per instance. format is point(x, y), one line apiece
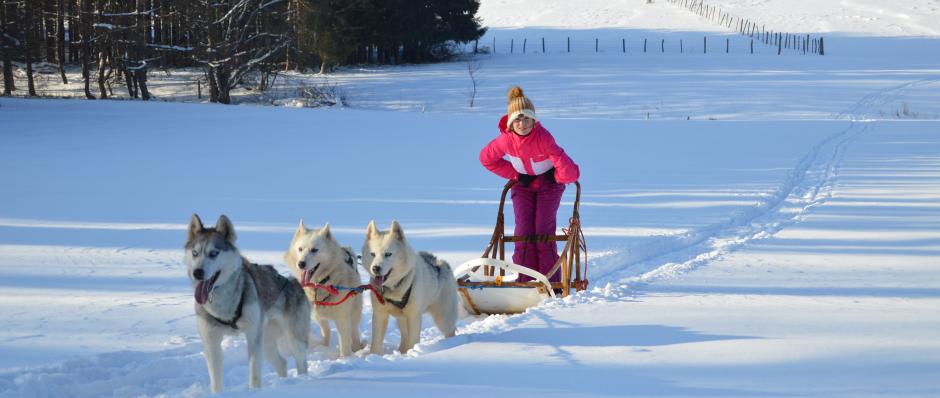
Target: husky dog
point(317, 258)
point(235, 296)
point(410, 284)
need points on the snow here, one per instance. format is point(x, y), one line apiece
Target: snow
point(871, 18)
point(757, 225)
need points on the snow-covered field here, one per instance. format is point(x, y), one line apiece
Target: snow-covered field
point(757, 225)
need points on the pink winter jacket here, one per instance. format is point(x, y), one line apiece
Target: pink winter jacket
point(532, 154)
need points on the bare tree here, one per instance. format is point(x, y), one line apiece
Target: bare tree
point(28, 43)
point(102, 40)
point(472, 68)
point(237, 42)
point(140, 64)
point(60, 39)
point(8, 43)
point(86, 49)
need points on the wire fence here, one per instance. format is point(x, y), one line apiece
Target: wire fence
point(782, 40)
point(688, 45)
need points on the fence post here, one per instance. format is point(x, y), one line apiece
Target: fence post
point(681, 50)
point(494, 44)
point(727, 45)
point(644, 45)
point(779, 45)
point(624, 42)
point(752, 46)
point(523, 44)
point(595, 45)
point(512, 45)
point(822, 50)
point(569, 44)
point(704, 44)
point(663, 45)
point(543, 45)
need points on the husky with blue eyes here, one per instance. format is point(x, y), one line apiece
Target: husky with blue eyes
point(234, 296)
point(409, 284)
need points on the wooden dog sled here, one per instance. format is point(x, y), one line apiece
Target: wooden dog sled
point(488, 285)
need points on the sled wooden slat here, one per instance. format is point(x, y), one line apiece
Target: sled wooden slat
point(469, 300)
point(502, 284)
point(535, 238)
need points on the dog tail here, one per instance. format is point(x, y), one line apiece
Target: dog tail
point(433, 260)
point(297, 298)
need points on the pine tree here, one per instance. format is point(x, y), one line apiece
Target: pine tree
point(336, 26)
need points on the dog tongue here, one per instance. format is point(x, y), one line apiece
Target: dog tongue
point(305, 277)
point(377, 281)
point(202, 292)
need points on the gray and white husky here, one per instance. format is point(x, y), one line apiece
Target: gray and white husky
point(410, 283)
point(316, 257)
point(234, 296)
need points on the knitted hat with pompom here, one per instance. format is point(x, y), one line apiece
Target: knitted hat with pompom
point(518, 105)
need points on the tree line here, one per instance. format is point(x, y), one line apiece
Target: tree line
point(116, 42)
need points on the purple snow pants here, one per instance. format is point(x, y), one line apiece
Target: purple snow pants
point(536, 207)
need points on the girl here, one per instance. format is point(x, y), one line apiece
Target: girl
point(541, 168)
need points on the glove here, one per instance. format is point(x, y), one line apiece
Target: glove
point(526, 179)
point(550, 176)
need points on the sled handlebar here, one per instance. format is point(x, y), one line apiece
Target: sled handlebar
point(502, 200)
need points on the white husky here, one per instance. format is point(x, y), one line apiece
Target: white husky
point(317, 258)
point(234, 296)
point(410, 284)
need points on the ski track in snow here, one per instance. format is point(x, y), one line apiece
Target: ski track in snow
point(809, 184)
point(180, 371)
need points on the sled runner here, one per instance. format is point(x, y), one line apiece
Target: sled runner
point(488, 285)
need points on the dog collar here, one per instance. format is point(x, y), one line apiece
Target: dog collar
point(404, 300)
point(238, 313)
point(328, 293)
point(238, 310)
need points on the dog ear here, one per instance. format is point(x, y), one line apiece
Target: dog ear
point(397, 232)
point(225, 228)
point(195, 226)
point(301, 228)
point(371, 230)
point(326, 231)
